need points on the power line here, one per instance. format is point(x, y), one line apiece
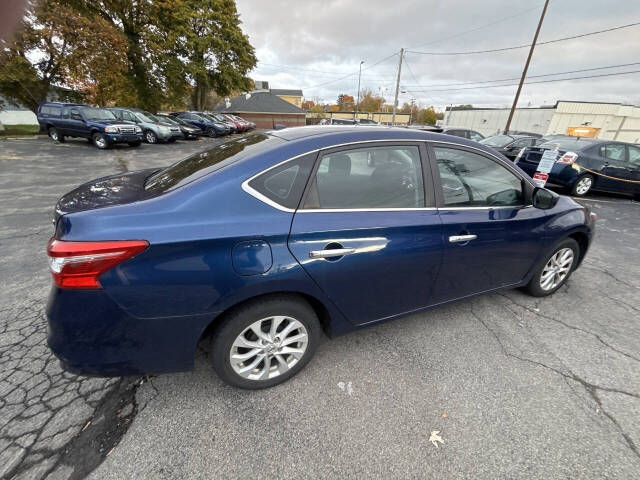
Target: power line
point(528, 45)
point(479, 28)
point(287, 67)
point(516, 78)
point(537, 81)
point(415, 79)
point(351, 74)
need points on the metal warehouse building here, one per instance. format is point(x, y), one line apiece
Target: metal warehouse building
point(614, 121)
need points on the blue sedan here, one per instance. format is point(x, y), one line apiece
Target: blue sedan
point(265, 243)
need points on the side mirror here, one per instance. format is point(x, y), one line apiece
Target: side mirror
point(544, 199)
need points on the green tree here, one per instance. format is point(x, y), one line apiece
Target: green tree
point(370, 102)
point(204, 47)
point(427, 116)
point(56, 46)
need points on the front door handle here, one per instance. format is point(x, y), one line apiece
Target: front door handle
point(333, 252)
point(461, 238)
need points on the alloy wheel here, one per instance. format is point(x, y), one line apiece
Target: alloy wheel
point(151, 137)
point(584, 185)
point(556, 269)
point(268, 348)
point(99, 141)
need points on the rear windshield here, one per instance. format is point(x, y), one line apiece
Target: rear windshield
point(203, 163)
point(98, 114)
point(566, 144)
point(497, 140)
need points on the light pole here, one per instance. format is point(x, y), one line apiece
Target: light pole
point(358, 102)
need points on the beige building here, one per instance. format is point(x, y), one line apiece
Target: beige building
point(380, 117)
point(294, 97)
point(614, 121)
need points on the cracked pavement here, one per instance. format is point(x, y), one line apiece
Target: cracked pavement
point(518, 387)
point(43, 409)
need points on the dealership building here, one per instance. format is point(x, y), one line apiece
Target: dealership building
point(610, 121)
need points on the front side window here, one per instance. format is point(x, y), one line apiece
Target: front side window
point(366, 178)
point(613, 151)
point(74, 114)
point(98, 114)
point(471, 179)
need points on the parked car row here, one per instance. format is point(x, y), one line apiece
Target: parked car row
point(105, 127)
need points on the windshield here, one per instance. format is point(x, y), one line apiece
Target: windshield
point(566, 144)
point(198, 165)
point(497, 140)
point(98, 114)
point(147, 117)
point(163, 118)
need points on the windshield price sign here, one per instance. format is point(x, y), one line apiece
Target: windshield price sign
point(547, 161)
point(540, 179)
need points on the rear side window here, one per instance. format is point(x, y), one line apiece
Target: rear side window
point(367, 178)
point(51, 110)
point(284, 184)
point(613, 151)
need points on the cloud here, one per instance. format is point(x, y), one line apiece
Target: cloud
point(312, 44)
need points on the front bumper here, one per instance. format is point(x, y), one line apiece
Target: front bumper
point(91, 335)
point(113, 138)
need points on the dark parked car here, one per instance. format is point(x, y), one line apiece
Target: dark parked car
point(585, 164)
point(264, 242)
point(448, 130)
point(100, 126)
point(510, 145)
point(207, 125)
point(188, 131)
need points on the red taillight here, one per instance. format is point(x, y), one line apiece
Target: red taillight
point(568, 158)
point(79, 264)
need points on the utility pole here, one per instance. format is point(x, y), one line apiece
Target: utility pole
point(526, 67)
point(358, 102)
point(395, 101)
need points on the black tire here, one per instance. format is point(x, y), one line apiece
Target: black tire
point(150, 137)
point(239, 319)
point(135, 144)
point(171, 140)
point(578, 187)
point(55, 135)
point(534, 286)
point(211, 132)
point(99, 141)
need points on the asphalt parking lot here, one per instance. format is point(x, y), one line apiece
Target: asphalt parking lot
point(517, 387)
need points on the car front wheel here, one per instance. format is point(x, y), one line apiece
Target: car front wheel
point(556, 270)
point(99, 141)
point(211, 132)
point(265, 342)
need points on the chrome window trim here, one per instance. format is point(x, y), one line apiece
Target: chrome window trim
point(254, 193)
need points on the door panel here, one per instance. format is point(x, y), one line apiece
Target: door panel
point(506, 246)
point(481, 199)
point(392, 269)
point(367, 204)
point(614, 164)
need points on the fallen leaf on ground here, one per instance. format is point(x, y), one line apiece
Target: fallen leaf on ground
point(435, 438)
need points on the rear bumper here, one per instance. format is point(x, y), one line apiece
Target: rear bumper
point(563, 175)
point(91, 335)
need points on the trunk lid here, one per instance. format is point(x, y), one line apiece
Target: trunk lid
point(116, 189)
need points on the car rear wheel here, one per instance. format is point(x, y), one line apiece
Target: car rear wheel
point(265, 342)
point(99, 141)
point(583, 185)
point(150, 137)
point(55, 135)
point(556, 270)
point(211, 132)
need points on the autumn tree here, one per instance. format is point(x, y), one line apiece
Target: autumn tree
point(308, 104)
point(56, 46)
point(370, 102)
point(345, 102)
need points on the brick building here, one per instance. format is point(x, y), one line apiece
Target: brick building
point(265, 109)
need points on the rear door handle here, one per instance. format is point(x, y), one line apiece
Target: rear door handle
point(461, 238)
point(334, 252)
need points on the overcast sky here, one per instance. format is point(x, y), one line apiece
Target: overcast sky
point(311, 44)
